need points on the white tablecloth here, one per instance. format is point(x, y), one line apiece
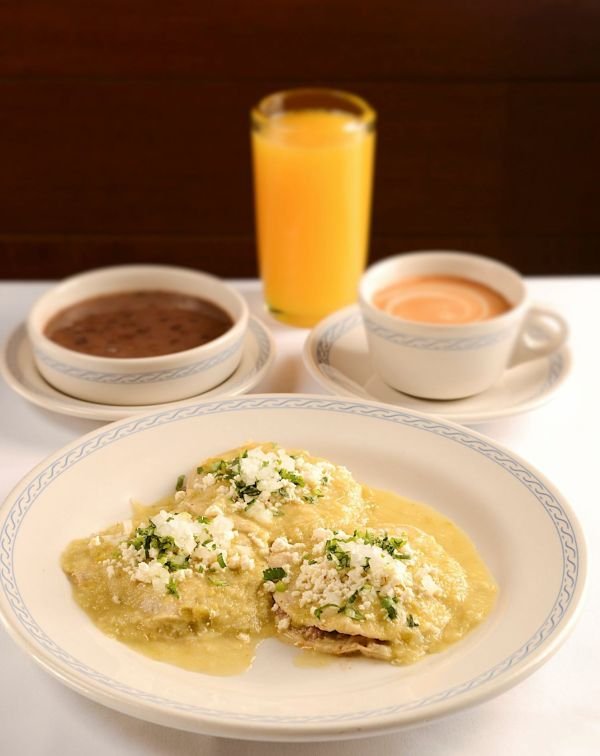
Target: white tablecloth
point(554, 712)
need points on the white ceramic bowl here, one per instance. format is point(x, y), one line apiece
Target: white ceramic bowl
point(140, 380)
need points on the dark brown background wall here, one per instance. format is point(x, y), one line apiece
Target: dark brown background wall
point(124, 125)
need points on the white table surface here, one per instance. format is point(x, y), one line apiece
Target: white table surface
point(554, 712)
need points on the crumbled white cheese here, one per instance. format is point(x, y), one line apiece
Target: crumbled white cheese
point(280, 544)
point(246, 561)
point(261, 545)
point(213, 511)
point(429, 586)
point(241, 559)
point(179, 545)
point(260, 513)
point(221, 530)
point(152, 572)
point(180, 527)
point(349, 572)
point(234, 562)
point(259, 482)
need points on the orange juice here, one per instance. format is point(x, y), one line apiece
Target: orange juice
point(313, 174)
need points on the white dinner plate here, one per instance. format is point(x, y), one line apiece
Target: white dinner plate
point(20, 372)
point(337, 356)
point(524, 529)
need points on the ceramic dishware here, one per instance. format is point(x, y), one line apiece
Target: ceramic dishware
point(18, 368)
point(337, 356)
point(453, 361)
point(140, 380)
point(522, 526)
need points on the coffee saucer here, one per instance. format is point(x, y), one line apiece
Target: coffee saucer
point(18, 368)
point(337, 357)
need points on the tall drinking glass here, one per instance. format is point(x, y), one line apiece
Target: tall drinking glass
point(313, 172)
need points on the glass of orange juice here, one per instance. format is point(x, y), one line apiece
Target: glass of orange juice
point(313, 155)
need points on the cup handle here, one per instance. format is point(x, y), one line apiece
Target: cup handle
point(543, 332)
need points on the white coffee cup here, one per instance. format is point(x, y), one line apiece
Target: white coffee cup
point(451, 361)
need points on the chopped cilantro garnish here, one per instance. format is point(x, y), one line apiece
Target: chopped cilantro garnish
point(172, 588)
point(162, 548)
point(348, 608)
point(411, 621)
point(204, 520)
point(221, 561)
point(387, 603)
point(293, 477)
point(351, 612)
point(216, 581)
point(174, 562)
point(230, 471)
point(146, 538)
point(333, 550)
point(199, 470)
point(218, 468)
point(320, 609)
point(314, 497)
point(180, 485)
point(274, 574)
point(389, 544)
point(392, 546)
point(248, 490)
